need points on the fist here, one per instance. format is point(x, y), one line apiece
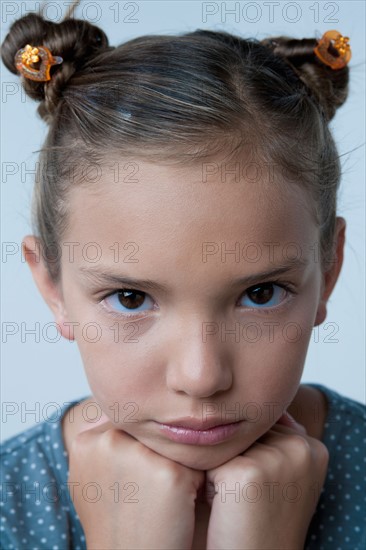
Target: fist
point(265, 497)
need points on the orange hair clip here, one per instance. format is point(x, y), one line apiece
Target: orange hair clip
point(30, 54)
point(340, 43)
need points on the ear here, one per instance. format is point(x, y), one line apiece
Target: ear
point(330, 276)
point(51, 291)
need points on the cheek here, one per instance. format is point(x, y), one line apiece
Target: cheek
point(111, 351)
point(270, 370)
point(272, 351)
point(118, 373)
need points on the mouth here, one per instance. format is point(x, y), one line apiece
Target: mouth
point(196, 432)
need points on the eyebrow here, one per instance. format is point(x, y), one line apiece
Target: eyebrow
point(106, 276)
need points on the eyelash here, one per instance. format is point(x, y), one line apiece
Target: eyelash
point(285, 285)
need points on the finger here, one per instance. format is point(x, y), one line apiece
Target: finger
point(279, 435)
point(278, 430)
point(287, 420)
point(103, 422)
point(99, 427)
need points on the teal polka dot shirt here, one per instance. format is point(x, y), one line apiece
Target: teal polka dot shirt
point(37, 511)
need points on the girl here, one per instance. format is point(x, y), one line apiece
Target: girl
point(193, 322)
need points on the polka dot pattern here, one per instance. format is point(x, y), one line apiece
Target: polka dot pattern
point(36, 508)
point(339, 519)
point(37, 511)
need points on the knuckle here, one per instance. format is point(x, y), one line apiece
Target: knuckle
point(89, 441)
point(252, 473)
point(80, 442)
point(276, 456)
point(170, 474)
point(301, 447)
point(244, 469)
point(322, 453)
point(110, 436)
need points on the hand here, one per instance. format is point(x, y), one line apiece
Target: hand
point(265, 497)
point(145, 500)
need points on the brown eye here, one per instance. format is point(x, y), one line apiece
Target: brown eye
point(261, 294)
point(130, 298)
point(265, 294)
point(127, 300)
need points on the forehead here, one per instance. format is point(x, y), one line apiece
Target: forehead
point(172, 210)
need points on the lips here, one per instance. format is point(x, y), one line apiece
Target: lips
point(197, 423)
point(193, 431)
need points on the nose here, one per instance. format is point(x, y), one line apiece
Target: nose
point(196, 367)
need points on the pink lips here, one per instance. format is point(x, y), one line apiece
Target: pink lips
point(196, 432)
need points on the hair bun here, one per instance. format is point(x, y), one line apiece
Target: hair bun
point(76, 41)
point(328, 86)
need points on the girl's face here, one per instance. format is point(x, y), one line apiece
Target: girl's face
point(207, 334)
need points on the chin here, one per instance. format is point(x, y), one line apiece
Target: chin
point(197, 457)
point(204, 463)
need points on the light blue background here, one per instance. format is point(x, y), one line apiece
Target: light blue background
point(36, 374)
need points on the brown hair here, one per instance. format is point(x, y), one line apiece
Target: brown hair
point(178, 99)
